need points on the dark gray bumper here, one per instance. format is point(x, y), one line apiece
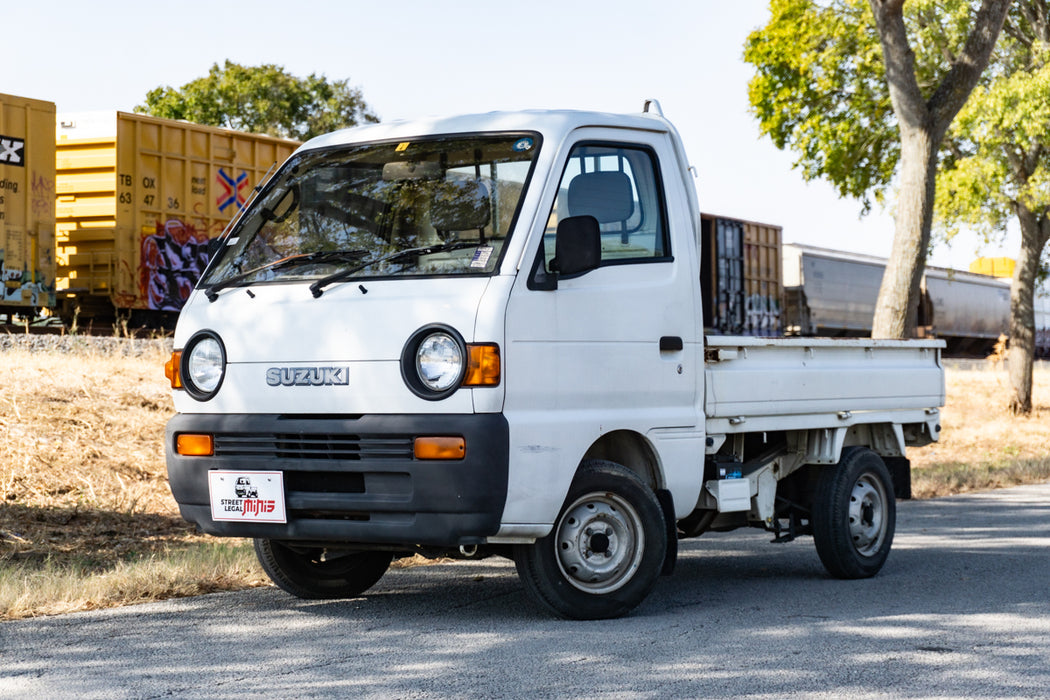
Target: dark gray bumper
point(352, 479)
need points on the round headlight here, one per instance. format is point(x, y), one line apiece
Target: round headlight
point(204, 366)
point(434, 362)
point(439, 362)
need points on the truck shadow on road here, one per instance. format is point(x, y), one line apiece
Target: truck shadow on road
point(947, 552)
point(960, 609)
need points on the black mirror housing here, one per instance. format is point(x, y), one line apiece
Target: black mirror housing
point(577, 246)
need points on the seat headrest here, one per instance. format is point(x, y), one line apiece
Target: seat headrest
point(604, 195)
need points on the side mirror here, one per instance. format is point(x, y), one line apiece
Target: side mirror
point(577, 246)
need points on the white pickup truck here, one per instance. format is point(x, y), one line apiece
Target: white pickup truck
point(482, 335)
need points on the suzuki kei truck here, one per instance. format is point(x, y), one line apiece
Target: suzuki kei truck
point(483, 335)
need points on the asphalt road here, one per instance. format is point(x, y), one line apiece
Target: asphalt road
point(962, 609)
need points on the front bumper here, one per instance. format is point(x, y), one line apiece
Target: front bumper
point(352, 479)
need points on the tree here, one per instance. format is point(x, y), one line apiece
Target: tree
point(923, 123)
point(999, 167)
point(262, 99)
point(840, 83)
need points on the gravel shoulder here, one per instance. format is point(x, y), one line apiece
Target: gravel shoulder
point(109, 346)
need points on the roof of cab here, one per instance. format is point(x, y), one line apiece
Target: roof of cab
point(551, 124)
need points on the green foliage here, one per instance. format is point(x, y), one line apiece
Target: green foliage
point(820, 89)
point(262, 99)
point(1001, 154)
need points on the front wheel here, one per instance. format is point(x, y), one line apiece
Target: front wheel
point(854, 515)
point(606, 549)
point(317, 573)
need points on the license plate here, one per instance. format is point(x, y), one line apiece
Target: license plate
point(253, 497)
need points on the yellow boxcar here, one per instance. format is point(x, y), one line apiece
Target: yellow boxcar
point(27, 205)
point(138, 200)
point(995, 267)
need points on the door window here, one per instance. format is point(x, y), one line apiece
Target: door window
point(619, 186)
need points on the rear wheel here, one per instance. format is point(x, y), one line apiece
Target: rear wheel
point(606, 549)
point(320, 573)
point(854, 515)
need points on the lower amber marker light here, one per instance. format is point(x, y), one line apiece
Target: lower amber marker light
point(192, 445)
point(439, 448)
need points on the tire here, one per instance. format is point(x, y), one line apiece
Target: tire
point(606, 549)
point(854, 515)
point(316, 573)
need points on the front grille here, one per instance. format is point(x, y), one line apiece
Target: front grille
point(332, 515)
point(317, 446)
point(324, 482)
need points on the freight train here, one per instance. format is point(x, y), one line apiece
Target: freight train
point(27, 204)
point(106, 213)
point(112, 213)
point(833, 293)
point(756, 285)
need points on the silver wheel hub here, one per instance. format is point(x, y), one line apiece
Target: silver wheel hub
point(867, 515)
point(599, 543)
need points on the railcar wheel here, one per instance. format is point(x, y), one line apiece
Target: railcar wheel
point(606, 549)
point(854, 515)
point(317, 573)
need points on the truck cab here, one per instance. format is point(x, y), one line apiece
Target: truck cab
point(484, 335)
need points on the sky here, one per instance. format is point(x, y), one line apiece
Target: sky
point(413, 58)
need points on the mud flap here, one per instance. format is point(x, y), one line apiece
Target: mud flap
point(900, 473)
point(667, 506)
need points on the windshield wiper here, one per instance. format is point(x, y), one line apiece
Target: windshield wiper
point(320, 256)
point(317, 288)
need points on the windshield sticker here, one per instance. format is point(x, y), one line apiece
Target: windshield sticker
point(481, 256)
point(522, 145)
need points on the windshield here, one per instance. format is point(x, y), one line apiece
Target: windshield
point(439, 206)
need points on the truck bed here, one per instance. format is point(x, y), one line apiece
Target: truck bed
point(756, 383)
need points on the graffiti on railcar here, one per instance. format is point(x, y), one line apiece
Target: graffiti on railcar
point(43, 200)
point(173, 259)
point(762, 315)
point(22, 287)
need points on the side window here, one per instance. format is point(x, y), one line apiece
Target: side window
point(619, 186)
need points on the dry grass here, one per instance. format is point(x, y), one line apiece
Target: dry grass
point(86, 516)
point(982, 445)
point(67, 584)
point(87, 519)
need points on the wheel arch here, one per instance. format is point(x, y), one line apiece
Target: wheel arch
point(634, 452)
point(631, 450)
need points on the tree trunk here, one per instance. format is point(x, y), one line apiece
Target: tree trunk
point(896, 312)
point(922, 124)
point(1035, 230)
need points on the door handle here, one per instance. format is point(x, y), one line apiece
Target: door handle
point(671, 343)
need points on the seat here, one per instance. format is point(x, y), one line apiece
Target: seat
point(607, 196)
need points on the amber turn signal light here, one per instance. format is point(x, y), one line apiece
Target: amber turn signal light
point(440, 448)
point(483, 365)
point(191, 445)
point(171, 369)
